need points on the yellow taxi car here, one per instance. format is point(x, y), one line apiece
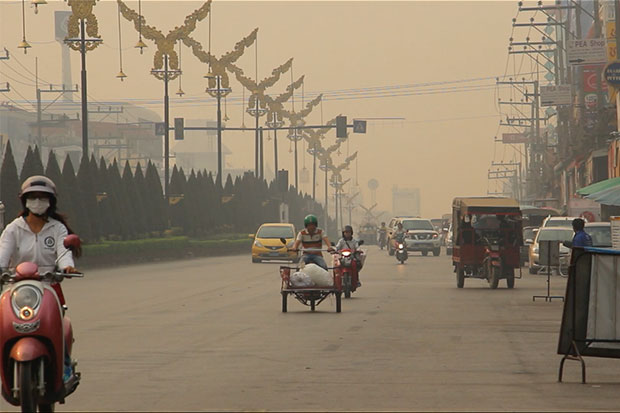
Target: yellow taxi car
point(268, 246)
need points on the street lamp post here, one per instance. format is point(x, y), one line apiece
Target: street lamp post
point(256, 111)
point(296, 136)
point(82, 21)
point(218, 91)
point(166, 75)
point(275, 123)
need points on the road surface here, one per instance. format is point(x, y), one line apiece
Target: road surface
point(208, 334)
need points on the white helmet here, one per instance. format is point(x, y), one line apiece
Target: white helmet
point(38, 183)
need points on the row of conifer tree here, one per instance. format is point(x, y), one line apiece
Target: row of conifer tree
point(103, 200)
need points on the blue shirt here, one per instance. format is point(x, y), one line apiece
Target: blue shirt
point(582, 239)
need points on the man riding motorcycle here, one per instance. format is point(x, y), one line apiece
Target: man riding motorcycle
point(312, 238)
point(348, 242)
point(37, 236)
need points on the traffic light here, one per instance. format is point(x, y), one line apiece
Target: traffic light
point(179, 129)
point(341, 126)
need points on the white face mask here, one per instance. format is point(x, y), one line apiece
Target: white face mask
point(38, 206)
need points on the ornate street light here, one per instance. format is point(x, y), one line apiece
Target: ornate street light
point(82, 22)
point(275, 122)
point(166, 60)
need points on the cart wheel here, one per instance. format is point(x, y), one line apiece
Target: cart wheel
point(338, 302)
point(460, 278)
point(312, 304)
point(494, 280)
point(284, 302)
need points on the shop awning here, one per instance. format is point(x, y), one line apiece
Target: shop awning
point(609, 196)
point(599, 186)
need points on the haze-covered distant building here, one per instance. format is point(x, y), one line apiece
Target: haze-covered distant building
point(405, 201)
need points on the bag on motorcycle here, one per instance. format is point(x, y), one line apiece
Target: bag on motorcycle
point(319, 276)
point(301, 279)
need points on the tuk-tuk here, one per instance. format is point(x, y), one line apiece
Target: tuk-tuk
point(487, 237)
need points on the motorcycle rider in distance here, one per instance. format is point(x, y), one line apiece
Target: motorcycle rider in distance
point(312, 237)
point(37, 236)
point(382, 235)
point(399, 235)
point(348, 242)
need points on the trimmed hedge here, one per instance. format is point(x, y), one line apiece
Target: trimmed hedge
point(134, 247)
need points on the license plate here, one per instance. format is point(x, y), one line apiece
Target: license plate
point(274, 254)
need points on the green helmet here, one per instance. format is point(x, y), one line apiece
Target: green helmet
point(310, 219)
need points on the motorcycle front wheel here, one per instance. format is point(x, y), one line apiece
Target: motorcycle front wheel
point(494, 277)
point(27, 386)
point(347, 285)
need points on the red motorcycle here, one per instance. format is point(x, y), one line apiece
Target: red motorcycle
point(35, 336)
point(346, 266)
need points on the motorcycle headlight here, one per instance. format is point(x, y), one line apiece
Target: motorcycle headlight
point(258, 244)
point(401, 246)
point(26, 300)
point(346, 253)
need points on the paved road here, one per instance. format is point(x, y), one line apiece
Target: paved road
point(208, 334)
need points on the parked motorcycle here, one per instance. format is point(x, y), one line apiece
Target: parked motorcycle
point(401, 250)
point(35, 337)
point(346, 264)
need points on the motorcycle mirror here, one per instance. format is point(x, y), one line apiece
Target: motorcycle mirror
point(283, 241)
point(361, 242)
point(72, 242)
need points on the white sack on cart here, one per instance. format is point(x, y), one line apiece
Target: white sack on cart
point(319, 276)
point(301, 279)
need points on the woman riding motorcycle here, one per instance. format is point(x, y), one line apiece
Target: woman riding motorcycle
point(37, 236)
point(312, 238)
point(348, 242)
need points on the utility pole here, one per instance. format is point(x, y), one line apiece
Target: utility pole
point(40, 110)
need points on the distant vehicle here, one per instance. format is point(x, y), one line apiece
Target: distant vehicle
point(559, 222)
point(449, 241)
point(559, 234)
point(267, 245)
point(420, 236)
point(487, 239)
point(600, 233)
point(529, 233)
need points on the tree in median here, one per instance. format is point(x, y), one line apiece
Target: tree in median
point(9, 186)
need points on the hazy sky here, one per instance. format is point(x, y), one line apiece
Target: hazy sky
point(444, 146)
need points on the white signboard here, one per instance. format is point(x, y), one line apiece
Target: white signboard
point(586, 51)
point(549, 253)
point(555, 95)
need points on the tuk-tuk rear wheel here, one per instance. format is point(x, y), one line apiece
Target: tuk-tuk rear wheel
point(460, 278)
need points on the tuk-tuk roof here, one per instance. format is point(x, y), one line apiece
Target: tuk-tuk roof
point(485, 202)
